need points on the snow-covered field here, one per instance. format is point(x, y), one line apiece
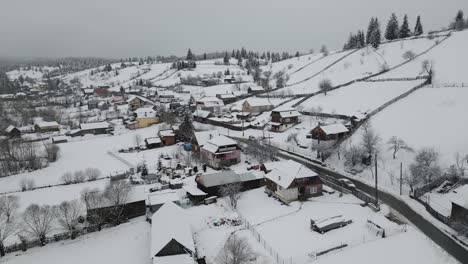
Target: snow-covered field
point(126, 243)
point(89, 151)
point(358, 97)
point(35, 73)
point(360, 64)
point(446, 58)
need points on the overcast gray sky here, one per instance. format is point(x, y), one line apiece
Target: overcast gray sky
point(121, 28)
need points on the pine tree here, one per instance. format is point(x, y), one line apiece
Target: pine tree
point(233, 54)
point(404, 30)
point(204, 56)
point(190, 55)
point(186, 127)
point(418, 29)
point(459, 20)
point(297, 54)
point(392, 30)
point(370, 29)
point(226, 58)
point(375, 35)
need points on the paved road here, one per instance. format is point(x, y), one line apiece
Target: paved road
point(430, 230)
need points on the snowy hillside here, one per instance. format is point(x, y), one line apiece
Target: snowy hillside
point(35, 73)
point(357, 65)
point(446, 59)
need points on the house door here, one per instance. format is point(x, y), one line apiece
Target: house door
point(302, 195)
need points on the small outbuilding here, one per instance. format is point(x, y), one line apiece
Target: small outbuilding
point(153, 142)
point(329, 132)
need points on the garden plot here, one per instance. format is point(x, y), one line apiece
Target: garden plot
point(360, 64)
point(446, 59)
point(287, 228)
point(88, 151)
point(358, 97)
point(126, 243)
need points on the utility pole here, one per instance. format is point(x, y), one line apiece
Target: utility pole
point(242, 123)
point(376, 183)
point(401, 178)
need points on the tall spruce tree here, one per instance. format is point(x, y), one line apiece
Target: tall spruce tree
point(392, 30)
point(375, 35)
point(459, 20)
point(370, 28)
point(190, 55)
point(418, 29)
point(404, 30)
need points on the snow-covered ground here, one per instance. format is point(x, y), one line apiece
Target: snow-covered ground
point(358, 97)
point(89, 151)
point(360, 64)
point(35, 73)
point(287, 230)
point(126, 243)
point(444, 58)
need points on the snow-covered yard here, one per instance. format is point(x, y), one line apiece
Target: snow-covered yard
point(127, 243)
point(358, 97)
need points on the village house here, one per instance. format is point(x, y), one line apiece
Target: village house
point(59, 139)
point(212, 183)
point(257, 105)
point(328, 132)
point(226, 98)
point(167, 136)
point(97, 128)
point(157, 199)
point(200, 115)
point(290, 181)
point(220, 151)
point(255, 89)
point(153, 142)
point(165, 96)
point(201, 137)
point(210, 103)
point(229, 79)
point(134, 102)
point(459, 212)
point(282, 119)
point(171, 236)
point(12, 132)
point(46, 127)
point(145, 116)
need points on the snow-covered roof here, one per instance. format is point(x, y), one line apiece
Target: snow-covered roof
point(256, 88)
point(193, 190)
point(60, 138)
point(89, 91)
point(170, 223)
point(334, 129)
point(162, 197)
point(133, 97)
point(145, 112)
point(222, 140)
point(203, 136)
point(226, 96)
point(167, 133)
point(153, 140)
point(179, 259)
point(205, 99)
point(461, 197)
point(239, 93)
point(359, 115)
point(47, 124)
point(97, 125)
point(202, 113)
point(258, 101)
point(9, 128)
point(285, 173)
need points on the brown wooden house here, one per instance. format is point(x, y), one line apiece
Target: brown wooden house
point(290, 181)
point(282, 119)
point(329, 132)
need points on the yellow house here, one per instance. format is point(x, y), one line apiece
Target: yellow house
point(145, 117)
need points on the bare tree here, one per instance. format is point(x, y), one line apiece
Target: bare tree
point(117, 194)
point(396, 144)
point(325, 85)
point(67, 215)
point(457, 169)
point(67, 178)
point(409, 55)
point(52, 151)
point(38, 221)
point(79, 177)
point(425, 168)
point(27, 184)
point(8, 222)
point(94, 200)
point(353, 156)
point(9, 206)
point(232, 191)
point(92, 174)
point(236, 251)
point(370, 139)
point(428, 68)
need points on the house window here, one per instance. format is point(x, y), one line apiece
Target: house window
point(313, 189)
